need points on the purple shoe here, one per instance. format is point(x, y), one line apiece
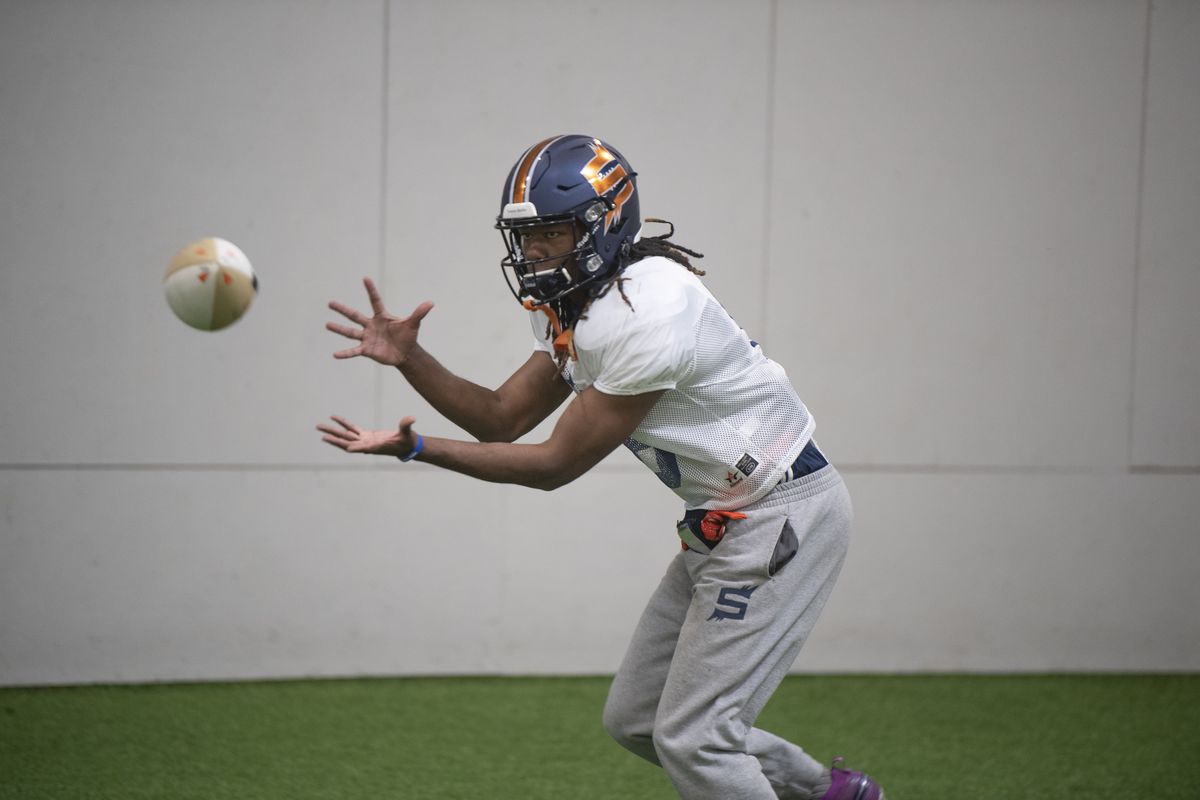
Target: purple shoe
point(851, 785)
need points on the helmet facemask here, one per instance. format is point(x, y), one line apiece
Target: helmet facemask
point(549, 279)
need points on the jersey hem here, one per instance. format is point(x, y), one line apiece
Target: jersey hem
point(613, 390)
point(732, 504)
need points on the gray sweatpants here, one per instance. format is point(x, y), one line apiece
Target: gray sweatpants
point(716, 639)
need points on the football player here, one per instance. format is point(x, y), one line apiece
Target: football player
point(622, 321)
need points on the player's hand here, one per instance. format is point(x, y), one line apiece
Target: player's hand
point(353, 439)
point(382, 337)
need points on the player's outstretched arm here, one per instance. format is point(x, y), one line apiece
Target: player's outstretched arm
point(500, 415)
point(591, 428)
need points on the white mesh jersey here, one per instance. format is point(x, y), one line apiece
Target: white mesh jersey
point(730, 422)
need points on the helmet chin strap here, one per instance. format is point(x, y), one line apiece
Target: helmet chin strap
point(563, 339)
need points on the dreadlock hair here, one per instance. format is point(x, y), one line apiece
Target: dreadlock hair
point(659, 246)
point(645, 247)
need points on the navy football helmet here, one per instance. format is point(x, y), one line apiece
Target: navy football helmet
point(577, 179)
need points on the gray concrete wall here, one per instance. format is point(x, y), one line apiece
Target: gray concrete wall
point(968, 230)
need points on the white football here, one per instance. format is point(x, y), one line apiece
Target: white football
point(210, 284)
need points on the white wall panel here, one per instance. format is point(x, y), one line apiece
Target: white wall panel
point(1166, 402)
point(679, 87)
point(953, 217)
point(993, 572)
point(114, 575)
point(119, 575)
point(132, 128)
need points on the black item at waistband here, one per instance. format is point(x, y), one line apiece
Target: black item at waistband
point(809, 461)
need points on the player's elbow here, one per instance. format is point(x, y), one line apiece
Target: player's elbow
point(496, 430)
point(554, 473)
point(500, 430)
point(549, 483)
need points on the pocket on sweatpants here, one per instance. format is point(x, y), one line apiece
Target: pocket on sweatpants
point(785, 549)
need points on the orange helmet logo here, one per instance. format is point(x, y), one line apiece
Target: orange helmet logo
point(604, 172)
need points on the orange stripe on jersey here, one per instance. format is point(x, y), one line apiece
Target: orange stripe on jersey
point(519, 189)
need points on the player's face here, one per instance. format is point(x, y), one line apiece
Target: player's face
point(548, 241)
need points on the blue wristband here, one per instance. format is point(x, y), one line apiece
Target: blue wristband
point(416, 451)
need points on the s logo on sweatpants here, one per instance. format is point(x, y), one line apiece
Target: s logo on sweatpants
point(729, 606)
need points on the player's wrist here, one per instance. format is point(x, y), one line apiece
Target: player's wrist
point(417, 447)
point(409, 358)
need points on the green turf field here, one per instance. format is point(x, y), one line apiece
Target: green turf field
point(924, 737)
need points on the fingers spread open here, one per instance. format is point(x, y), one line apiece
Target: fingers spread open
point(344, 330)
point(348, 312)
point(334, 437)
point(351, 353)
point(373, 296)
point(421, 311)
point(347, 435)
